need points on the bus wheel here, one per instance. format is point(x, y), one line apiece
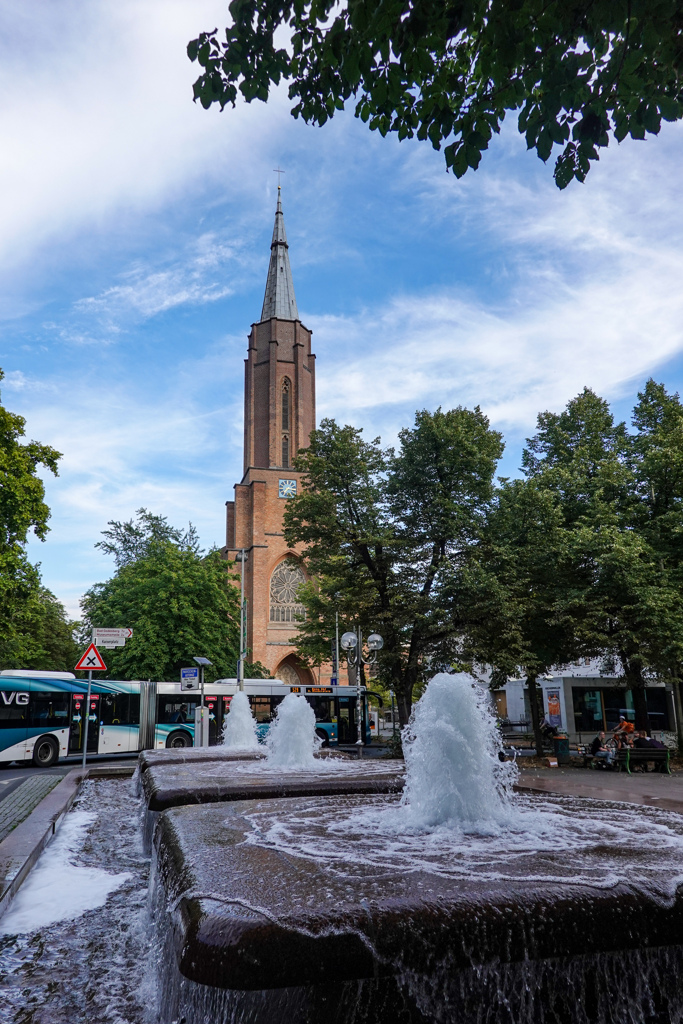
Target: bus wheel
point(322, 735)
point(45, 752)
point(179, 739)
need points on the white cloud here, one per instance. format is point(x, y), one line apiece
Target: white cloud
point(97, 118)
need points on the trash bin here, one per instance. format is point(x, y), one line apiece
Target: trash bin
point(561, 748)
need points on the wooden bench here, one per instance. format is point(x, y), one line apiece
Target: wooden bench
point(629, 756)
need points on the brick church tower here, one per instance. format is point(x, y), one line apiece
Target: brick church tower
point(279, 415)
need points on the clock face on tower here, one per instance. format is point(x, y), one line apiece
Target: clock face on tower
point(287, 489)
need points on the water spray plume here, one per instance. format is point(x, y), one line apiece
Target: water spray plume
point(239, 730)
point(291, 740)
point(451, 746)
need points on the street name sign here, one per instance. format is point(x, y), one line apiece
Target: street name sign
point(111, 637)
point(91, 661)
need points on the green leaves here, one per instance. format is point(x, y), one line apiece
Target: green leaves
point(579, 74)
point(178, 603)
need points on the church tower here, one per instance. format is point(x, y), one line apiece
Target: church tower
point(279, 415)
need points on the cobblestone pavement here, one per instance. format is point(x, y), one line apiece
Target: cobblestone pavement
point(20, 802)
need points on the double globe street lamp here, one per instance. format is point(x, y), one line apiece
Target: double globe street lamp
point(352, 644)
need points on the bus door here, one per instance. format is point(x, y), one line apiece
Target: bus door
point(77, 730)
point(213, 704)
point(346, 719)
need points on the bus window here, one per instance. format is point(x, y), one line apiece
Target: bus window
point(322, 706)
point(13, 715)
point(114, 709)
point(174, 709)
point(134, 709)
point(263, 708)
point(49, 710)
point(260, 708)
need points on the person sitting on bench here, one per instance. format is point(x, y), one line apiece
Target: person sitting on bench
point(599, 750)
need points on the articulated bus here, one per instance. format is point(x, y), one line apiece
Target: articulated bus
point(42, 714)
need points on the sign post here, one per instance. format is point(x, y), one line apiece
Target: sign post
point(92, 662)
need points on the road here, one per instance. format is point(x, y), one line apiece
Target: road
point(16, 774)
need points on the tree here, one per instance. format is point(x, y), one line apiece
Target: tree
point(380, 530)
point(627, 601)
point(517, 594)
point(23, 602)
point(658, 471)
point(579, 73)
point(42, 635)
point(129, 541)
point(179, 604)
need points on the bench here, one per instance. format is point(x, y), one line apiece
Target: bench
point(629, 756)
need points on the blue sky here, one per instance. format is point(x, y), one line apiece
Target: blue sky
point(134, 242)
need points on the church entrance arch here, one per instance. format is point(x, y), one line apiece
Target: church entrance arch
point(293, 673)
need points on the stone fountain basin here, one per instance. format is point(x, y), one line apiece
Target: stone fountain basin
point(193, 755)
point(172, 785)
point(246, 916)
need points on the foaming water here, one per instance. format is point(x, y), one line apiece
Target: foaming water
point(59, 888)
point(291, 740)
point(92, 965)
point(239, 729)
point(552, 840)
point(454, 775)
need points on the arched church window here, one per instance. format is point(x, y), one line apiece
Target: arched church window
point(285, 403)
point(284, 588)
point(285, 451)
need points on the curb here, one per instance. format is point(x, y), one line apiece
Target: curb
point(20, 850)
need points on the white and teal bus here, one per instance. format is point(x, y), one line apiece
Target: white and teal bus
point(42, 714)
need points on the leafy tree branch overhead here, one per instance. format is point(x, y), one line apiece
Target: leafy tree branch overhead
point(577, 73)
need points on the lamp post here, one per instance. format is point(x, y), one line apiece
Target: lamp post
point(352, 643)
point(242, 556)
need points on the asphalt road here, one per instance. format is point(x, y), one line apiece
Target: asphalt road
point(13, 776)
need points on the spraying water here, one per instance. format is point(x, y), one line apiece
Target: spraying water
point(291, 740)
point(239, 730)
point(454, 775)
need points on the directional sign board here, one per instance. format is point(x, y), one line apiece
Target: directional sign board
point(111, 637)
point(189, 679)
point(91, 661)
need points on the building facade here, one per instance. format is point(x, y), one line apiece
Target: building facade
point(581, 699)
point(279, 415)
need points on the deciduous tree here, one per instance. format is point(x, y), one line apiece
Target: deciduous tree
point(577, 73)
point(381, 529)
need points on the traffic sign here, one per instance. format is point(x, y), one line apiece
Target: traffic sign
point(189, 679)
point(99, 634)
point(91, 661)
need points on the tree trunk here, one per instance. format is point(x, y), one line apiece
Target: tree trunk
point(678, 705)
point(404, 702)
point(636, 683)
point(535, 717)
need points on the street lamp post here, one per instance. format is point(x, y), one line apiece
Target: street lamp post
point(352, 643)
point(242, 556)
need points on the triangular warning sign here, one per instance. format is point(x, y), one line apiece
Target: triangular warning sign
point(91, 661)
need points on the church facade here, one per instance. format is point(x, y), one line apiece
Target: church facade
point(279, 415)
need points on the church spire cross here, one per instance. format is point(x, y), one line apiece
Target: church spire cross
point(279, 300)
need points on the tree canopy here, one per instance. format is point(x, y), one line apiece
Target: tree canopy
point(381, 531)
point(178, 601)
point(35, 631)
point(577, 73)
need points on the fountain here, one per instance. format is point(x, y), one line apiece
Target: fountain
point(291, 740)
point(453, 900)
point(239, 731)
point(457, 900)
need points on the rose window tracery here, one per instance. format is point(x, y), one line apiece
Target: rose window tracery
point(284, 588)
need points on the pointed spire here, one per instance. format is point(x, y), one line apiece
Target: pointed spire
point(279, 299)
